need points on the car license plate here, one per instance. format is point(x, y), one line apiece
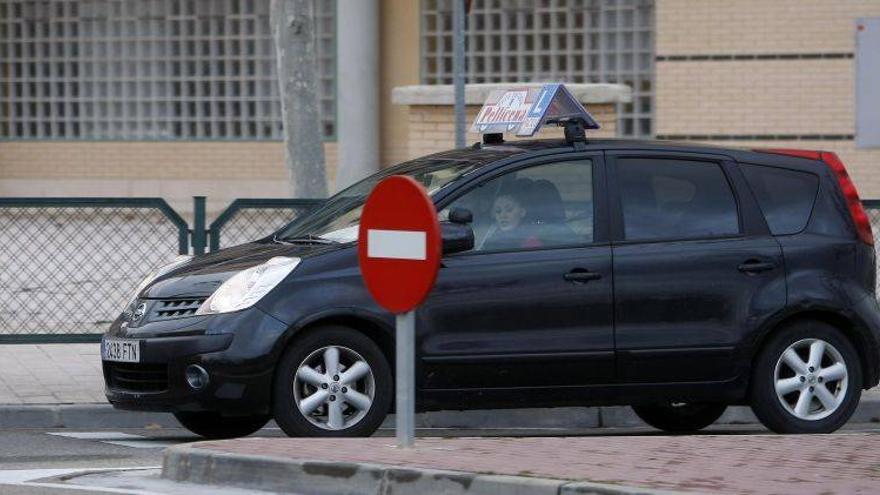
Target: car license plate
point(121, 350)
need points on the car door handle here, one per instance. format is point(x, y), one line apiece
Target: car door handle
point(580, 275)
point(755, 266)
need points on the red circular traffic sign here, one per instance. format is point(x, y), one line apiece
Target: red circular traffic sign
point(399, 243)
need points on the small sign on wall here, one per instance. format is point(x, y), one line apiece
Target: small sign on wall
point(868, 82)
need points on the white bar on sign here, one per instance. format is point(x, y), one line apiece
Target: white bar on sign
point(397, 244)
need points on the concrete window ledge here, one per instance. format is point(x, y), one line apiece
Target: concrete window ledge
point(476, 94)
point(430, 124)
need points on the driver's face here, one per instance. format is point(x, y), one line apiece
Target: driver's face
point(508, 212)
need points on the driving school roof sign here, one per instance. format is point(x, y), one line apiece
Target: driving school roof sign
point(524, 111)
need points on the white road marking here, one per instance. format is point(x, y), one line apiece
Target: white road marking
point(117, 438)
point(397, 244)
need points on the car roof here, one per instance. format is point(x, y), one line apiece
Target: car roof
point(480, 154)
point(618, 144)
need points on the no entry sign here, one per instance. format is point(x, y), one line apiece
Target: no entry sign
point(399, 248)
point(399, 244)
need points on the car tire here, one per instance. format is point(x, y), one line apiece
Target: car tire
point(680, 417)
point(214, 426)
point(352, 401)
point(790, 400)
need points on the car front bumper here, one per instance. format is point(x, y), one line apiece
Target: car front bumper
point(238, 350)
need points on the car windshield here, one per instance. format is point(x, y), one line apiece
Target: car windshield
point(338, 219)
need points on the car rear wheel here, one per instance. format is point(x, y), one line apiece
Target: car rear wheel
point(680, 417)
point(334, 381)
point(807, 379)
point(214, 426)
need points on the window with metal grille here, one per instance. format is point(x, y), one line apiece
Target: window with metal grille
point(149, 69)
point(577, 41)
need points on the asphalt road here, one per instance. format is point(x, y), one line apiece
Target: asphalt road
point(68, 461)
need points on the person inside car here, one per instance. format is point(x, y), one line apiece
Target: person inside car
point(511, 229)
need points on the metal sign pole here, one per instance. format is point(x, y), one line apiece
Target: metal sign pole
point(458, 68)
point(406, 379)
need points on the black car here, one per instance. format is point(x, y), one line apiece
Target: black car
point(675, 278)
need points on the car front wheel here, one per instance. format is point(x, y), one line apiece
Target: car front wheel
point(807, 379)
point(214, 426)
point(680, 417)
point(333, 381)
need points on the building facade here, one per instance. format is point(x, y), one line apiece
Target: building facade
point(753, 73)
point(174, 98)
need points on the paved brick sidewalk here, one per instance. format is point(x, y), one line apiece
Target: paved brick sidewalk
point(51, 374)
point(817, 464)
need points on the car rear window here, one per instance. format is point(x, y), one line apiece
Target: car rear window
point(785, 196)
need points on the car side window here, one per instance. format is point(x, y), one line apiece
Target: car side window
point(542, 206)
point(786, 197)
point(675, 199)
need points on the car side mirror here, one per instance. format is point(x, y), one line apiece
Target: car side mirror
point(457, 237)
point(461, 216)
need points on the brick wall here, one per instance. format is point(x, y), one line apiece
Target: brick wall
point(432, 127)
point(147, 159)
point(799, 84)
point(755, 97)
point(686, 27)
point(173, 170)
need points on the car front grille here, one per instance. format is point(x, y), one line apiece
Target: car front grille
point(136, 377)
point(175, 308)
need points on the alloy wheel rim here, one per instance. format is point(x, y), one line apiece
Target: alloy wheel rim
point(811, 379)
point(334, 388)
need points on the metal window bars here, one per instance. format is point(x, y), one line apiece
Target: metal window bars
point(577, 41)
point(149, 69)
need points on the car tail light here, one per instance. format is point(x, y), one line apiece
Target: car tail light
point(856, 210)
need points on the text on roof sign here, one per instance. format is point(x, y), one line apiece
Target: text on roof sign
point(524, 111)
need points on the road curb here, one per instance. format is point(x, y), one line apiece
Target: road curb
point(80, 416)
point(184, 463)
point(105, 416)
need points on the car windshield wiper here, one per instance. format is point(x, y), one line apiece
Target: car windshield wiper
point(306, 239)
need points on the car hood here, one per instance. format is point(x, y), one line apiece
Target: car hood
point(202, 275)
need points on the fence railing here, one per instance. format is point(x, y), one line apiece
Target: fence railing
point(248, 219)
point(69, 265)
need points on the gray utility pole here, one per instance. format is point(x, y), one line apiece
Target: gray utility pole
point(357, 42)
point(458, 70)
point(293, 27)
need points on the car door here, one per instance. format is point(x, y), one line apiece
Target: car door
point(695, 268)
point(529, 306)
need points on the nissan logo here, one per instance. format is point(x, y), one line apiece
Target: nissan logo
point(139, 312)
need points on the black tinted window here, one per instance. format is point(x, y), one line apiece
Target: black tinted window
point(675, 199)
point(785, 196)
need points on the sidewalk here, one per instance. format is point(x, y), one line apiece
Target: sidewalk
point(845, 463)
point(51, 374)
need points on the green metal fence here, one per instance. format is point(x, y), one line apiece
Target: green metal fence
point(248, 219)
point(69, 265)
point(872, 208)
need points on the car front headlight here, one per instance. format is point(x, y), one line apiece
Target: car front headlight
point(158, 272)
point(247, 287)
